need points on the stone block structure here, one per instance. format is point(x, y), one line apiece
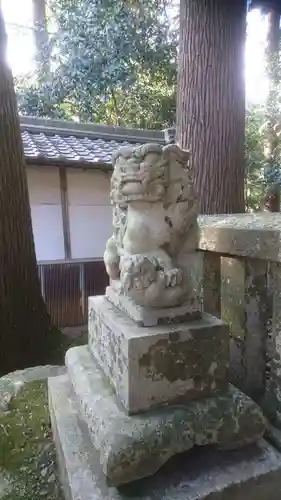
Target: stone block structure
point(153, 381)
point(242, 285)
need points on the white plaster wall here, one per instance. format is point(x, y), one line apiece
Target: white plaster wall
point(45, 202)
point(89, 212)
point(88, 187)
point(43, 185)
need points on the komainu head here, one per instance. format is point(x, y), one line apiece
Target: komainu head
point(143, 173)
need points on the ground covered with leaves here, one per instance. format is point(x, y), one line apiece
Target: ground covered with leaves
point(27, 452)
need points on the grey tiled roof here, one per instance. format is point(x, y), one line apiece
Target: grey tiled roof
point(59, 142)
point(70, 148)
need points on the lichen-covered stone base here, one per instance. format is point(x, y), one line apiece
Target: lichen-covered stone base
point(132, 447)
point(252, 473)
point(164, 364)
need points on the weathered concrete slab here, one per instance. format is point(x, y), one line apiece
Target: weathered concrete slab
point(153, 366)
point(153, 316)
point(246, 235)
point(13, 382)
point(244, 307)
point(272, 395)
point(212, 283)
point(135, 446)
point(253, 472)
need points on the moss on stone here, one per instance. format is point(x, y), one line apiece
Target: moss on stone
point(27, 453)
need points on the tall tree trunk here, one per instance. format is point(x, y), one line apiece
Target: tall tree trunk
point(25, 325)
point(211, 100)
point(273, 30)
point(41, 38)
point(272, 137)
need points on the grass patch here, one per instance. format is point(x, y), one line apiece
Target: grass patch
point(27, 452)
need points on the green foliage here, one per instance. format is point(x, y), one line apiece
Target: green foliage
point(263, 134)
point(273, 115)
point(112, 62)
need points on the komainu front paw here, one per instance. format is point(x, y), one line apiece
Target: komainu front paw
point(173, 277)
point(137, 272)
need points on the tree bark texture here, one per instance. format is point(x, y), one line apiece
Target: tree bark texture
point(211, 100)
point(41, 37)
point(273, 54)
point(273, 37)
point(24, 322)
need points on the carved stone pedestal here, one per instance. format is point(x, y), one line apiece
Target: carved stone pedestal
point(252, 473)
point(133, 447)
point(153, 381)
point(160, 365)
point(147, 394)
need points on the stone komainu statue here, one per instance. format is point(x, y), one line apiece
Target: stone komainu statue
point(155, 224)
